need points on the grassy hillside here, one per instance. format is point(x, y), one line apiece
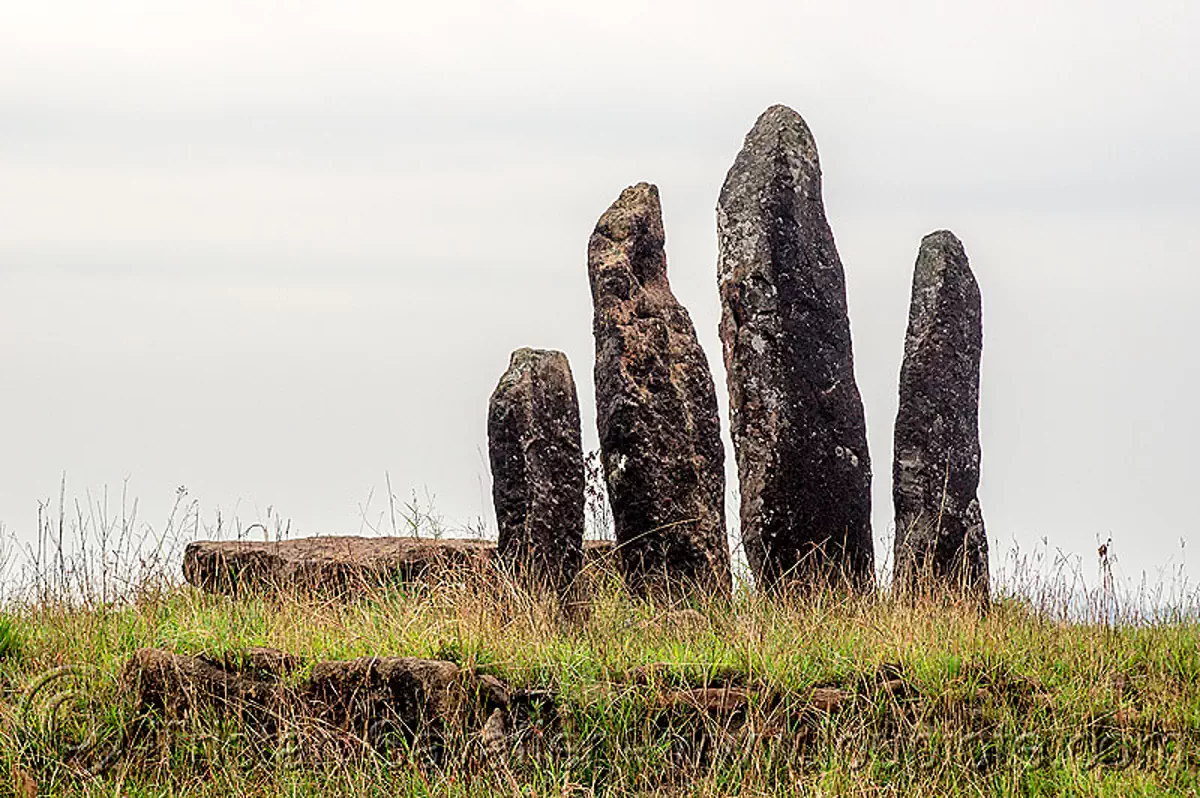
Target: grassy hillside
point(834, 696)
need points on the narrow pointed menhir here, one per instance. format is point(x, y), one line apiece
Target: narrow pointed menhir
point(939, 527)
point(797, 417)
point(537, 469)
point(656, 411)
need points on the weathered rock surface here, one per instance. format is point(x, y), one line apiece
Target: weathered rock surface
point(935, 474)
point(657, 414)
point(383, 700)
point(256, 661)
point(372, 702)
point(536, 456)
point(446, 713)
point(326, 563)
point(173, 685)
point(717, 701)
point(798, 427)
point(341, 564)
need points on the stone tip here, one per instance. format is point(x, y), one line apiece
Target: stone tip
point(637, 201)
point(779, 118)
point(528, 354)
point(945, 248)
point(942, 239)
point(639, 193)
point(780, 145)
point(780, 111)
point(942, 254)
point(629, 238)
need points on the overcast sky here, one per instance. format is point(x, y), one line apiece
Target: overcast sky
point(275, 251)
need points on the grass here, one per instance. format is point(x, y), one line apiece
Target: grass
point(10, 638)
point(935, 698)
point(1005, 702)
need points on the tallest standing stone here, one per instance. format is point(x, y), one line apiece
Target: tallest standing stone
point(795, 410)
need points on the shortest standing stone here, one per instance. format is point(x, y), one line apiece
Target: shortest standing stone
point(537, 469)
point(939, 527)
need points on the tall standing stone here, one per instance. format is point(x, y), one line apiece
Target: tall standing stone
point(660, 430)
point(537, 468)
point(797, 418)
point(935, 475)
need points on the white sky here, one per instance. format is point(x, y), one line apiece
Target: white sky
point(272, 251)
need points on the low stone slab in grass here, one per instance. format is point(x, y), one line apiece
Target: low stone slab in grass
point(382, 701)
point(373, 702)
point(342, 564)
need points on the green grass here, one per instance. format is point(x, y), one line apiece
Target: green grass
point(10, 638)
point(1007, 702)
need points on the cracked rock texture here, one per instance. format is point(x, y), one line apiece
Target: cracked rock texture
point(656, 411)
point(935, 474)
point(798, 428)
point(537, 469)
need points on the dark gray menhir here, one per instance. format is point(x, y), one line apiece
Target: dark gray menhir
point(797, 417)
point(537, 468)
point(656, 411)
point(939, 527)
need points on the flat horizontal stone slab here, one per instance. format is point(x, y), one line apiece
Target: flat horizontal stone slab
point(340, 563)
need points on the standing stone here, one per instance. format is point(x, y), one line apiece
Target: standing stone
point(537, 469)
point(939, 527)
point(797, 417)
point(656, 411)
